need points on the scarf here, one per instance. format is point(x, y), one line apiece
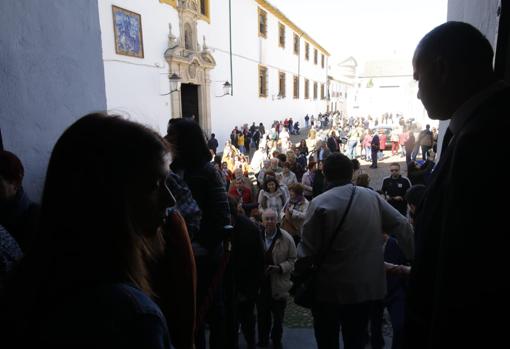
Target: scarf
point(297, 200)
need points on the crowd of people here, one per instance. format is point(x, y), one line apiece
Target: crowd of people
point(144, 241)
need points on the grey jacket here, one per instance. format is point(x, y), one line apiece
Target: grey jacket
point(353, 270)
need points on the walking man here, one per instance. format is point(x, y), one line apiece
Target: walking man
point(212, 143)
point(374, 148)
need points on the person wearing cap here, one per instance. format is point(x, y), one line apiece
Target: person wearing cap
point(18, 214)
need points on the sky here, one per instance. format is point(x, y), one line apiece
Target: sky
point(366, 29)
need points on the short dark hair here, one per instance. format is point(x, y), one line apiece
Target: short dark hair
point(460, 44)
point(270, 179)
point(338, 168)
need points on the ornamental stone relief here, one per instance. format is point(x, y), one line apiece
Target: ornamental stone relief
point(190, 61)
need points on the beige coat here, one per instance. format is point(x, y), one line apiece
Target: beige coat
point(353, 269)
point(284, 255)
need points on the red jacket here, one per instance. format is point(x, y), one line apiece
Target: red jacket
point(240, 192)
point(382, 141)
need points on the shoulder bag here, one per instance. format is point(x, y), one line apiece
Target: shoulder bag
point(305, 272)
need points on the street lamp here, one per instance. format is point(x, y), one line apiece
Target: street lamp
point(227, 89)
point(175, 82)
point(227, 86)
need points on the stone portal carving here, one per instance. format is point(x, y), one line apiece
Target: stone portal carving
point(190, 62)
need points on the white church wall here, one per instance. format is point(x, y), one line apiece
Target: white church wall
point(482, 15)
point(134, 85)
point(250, 50)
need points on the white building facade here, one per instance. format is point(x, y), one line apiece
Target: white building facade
point(388, 86)
point(275, 69)
point(341, 86)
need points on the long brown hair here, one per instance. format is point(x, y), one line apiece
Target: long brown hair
point(87, 234)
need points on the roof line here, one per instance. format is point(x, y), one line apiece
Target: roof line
point(385, 76)
point(277, 13)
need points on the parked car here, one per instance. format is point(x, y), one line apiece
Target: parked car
point(387, 131)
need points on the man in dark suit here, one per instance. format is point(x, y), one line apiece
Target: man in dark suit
point(333, 142)
point(457, 290)
point(374, 148)
point(212, 143)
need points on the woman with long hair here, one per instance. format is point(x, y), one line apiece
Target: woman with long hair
point(85, 284)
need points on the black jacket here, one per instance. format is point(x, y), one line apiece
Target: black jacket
point(246, 264)
point(332, 145)
point(392, 187)
point(457, 287)
point(213, 144)
point(375, 144)
point(209, 192)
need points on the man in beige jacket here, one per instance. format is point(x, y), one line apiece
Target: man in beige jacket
point(279, 257)
point(352, 276)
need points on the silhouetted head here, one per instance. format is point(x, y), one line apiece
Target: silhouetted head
point(451, 63)
point(338, 169)
point(11, 175)
point(187, 144)
point(104, 200)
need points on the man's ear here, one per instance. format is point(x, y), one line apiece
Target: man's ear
point(442, 70)
point(17, 184)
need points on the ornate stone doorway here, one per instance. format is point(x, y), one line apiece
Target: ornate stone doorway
point(192, 63)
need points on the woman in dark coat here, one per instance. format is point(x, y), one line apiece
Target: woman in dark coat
point(192, 162)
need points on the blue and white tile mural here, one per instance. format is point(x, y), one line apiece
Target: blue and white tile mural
point(128, 32)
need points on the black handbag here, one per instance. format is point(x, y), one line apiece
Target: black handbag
point(305, 269)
